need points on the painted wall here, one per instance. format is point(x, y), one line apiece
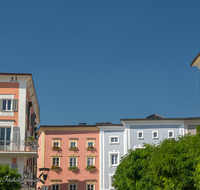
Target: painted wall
point(147, 133)
point(65, 174)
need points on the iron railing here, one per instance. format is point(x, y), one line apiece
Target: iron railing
point(21, 145)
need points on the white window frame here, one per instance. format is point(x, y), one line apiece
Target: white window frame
point(72, 161)
point(90, 142)
point(110, 158)
point(56, 143)
point(90, 161)
point(73, 142)
point(6, 110)
point(153, 134)
point(172, 133)
point(72, 187)
point(55, 186)
point(58, 161)
point(114, 137)
point(138, 135)
point(110, 180)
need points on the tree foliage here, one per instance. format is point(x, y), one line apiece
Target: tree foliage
point(174, 164)
point(8, 178)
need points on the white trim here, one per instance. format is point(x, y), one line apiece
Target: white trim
point(138, 146)
point(172, 133)
point(7, 112)
point(110, 158)
point(114, 137)
point(138, 135)
point(153, 134)
point(110, 180)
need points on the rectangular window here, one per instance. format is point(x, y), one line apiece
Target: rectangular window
point(90, 143)
point(56, 144)
point(72, 161)
point(90, 161)
point(114, 159)
point(55, 187)
point(6, 105)
point(114, 139)
point(72, 187)
point(170, 134)
point(155, 134)
point(56, 161)
point(140, 134)
point(90, 187)
point(72, 144)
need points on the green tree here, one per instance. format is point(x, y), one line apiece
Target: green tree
point(6, 174)
point(172, 165)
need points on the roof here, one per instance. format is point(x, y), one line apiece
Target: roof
point(157, 117)
point(198, 55)
point(16, 74)
point(107, 124)
point(67, 126)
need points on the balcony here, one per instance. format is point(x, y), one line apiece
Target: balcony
point(18, 146)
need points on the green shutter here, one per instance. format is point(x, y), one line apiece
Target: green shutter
point(15, 102)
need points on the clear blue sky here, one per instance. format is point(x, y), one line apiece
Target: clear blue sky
point(103, 60)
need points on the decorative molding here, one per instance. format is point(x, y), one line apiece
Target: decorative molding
point(73, 139)
point(56, 155)
point(73, 155)
point(90, 155)
point(56, 138)
point(73, 181)
point(90, 181)
point(91, 138)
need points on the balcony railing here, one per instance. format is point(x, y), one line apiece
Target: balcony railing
point(21, 145)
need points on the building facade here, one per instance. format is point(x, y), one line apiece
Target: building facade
point(71, 152)
point(116, 140)
point(19, 116)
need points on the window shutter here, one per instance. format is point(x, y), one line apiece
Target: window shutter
point(15, 102)
point(16, 133)
point(1, 104)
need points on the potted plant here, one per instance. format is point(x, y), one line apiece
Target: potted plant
point(29, 142)
point(73, 148)
point(90, 168)
point(73, 168)
point(55, 168)
point(56, 148)
point(90, 148)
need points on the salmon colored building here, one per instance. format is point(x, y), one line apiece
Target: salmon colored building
point(19, 116)
point(71, 152)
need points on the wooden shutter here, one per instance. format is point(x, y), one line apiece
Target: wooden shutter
point(15, 102)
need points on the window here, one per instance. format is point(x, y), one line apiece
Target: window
point(170, 134)
point(73, 162)
point(140, 134)
point(90, 143)
point(56, 161)
point(72, 187)
point(5, 133)
point(6, 105)
point(72, 144)
point(114, 139)
point(55, 187)
point(114, 159)
point(56, 144)
point(154, 134)
point(90, 187)
point(111, 179)
point(90, 161)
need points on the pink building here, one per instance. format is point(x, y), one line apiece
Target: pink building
point(72, 154)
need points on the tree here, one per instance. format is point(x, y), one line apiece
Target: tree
point(6, 174)
point(173, 164)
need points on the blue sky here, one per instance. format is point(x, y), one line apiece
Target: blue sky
point(103, 60)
